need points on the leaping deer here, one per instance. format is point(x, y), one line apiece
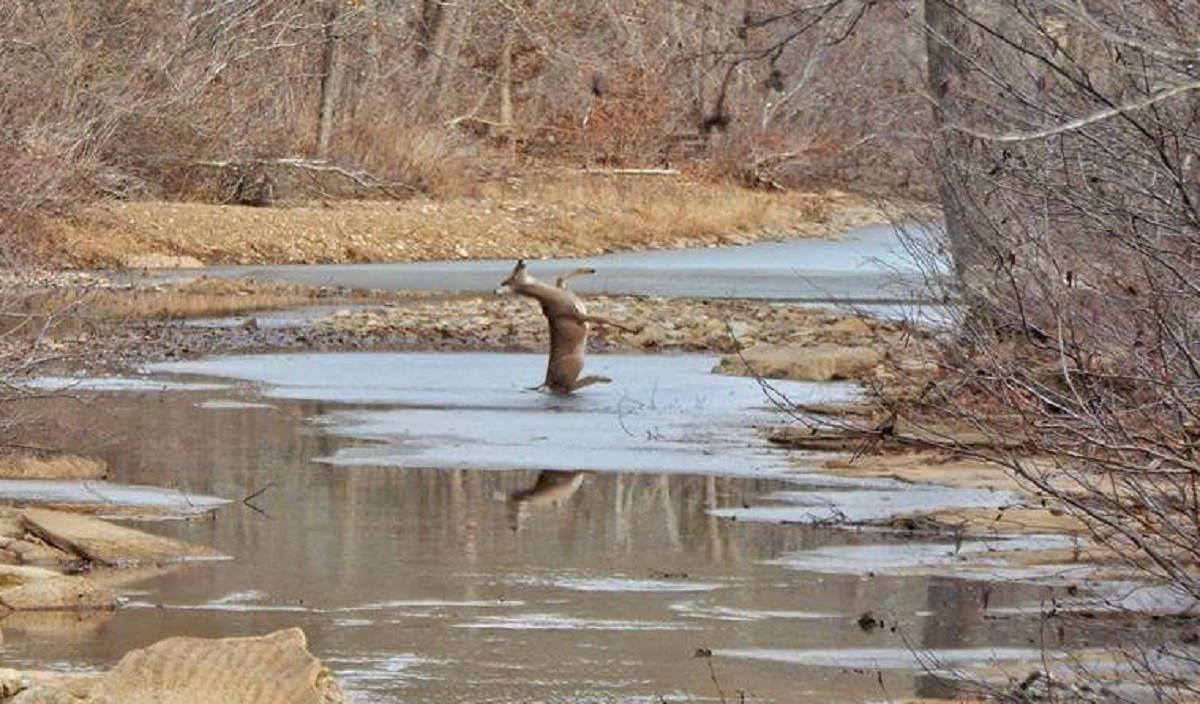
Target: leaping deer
point(568, 321)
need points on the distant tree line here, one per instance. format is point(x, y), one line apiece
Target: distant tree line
point(122, 98)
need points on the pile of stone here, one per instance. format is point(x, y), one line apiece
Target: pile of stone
point(773, 340)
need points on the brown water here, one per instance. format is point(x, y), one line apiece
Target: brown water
point(418, 583)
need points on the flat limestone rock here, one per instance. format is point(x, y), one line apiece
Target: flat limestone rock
point(50, 466)
point(36, 589)
point(42, 695)
point(107, 544)
point(29, 552)
point(40, 687)
point(271, 669)
point(822, 362)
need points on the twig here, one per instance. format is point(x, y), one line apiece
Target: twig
point(359, 177)
point(249, 499)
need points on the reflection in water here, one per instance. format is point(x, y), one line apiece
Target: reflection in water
point(412, 584)
point(552, 488)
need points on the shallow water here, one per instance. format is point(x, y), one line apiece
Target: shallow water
point(867, 264)
point(426, 522)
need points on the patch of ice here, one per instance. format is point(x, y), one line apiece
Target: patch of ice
point(726, 613)
point(223, 405)
point(100, 492)
point(559, 622)
point(617, 584)
point(65, 384)
point(887, 658)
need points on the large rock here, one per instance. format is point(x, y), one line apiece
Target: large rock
point(49, 466)
point(271, 669)
point(106, 544)
point(824, 362)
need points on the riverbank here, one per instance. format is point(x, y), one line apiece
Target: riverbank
point(102, 326)
point(574, 215)
point(205, 317)
point(108, 325)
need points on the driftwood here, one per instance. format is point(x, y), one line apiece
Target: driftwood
point(358, 177)
point(261, 181)
point(859, 439)
point(630, 172)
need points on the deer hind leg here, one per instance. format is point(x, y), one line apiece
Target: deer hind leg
point(561, 281)
point(600, 320)
point(588, 381)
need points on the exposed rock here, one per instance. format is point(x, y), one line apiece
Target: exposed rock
point(39, 694)
point(25, 588)
point(851, 328)
point(11, 682)
point(160, 261)
point(32, 552)
point(271, 669)
point(46, 687)
point(27, 465)
point(742, 332)
point(650, 336)
point(823, 362)
point(107, 544)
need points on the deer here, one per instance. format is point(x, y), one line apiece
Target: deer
point(552, 489)
point(569, 321)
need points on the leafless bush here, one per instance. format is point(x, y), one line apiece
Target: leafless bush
point(119, 98)
point(1066, 149)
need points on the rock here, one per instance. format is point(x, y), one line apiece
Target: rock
point(741, 331)
point(271, 669)
point(28, 465)
point(32, 552)
point(106, 544)
point(155, 260)
point(11, 682)
point(851, 328)
point(823, 362)
point(44, 695)
point(650, 336)
point(36, 589)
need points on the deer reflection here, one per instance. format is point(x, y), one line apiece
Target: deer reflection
point(552, 488)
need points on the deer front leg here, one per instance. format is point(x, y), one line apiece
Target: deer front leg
point(561, 281)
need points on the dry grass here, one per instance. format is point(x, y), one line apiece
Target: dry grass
point(662, 212)
point(570, 216)
point(202, 298)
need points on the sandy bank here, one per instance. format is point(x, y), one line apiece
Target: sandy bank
point(572, 217)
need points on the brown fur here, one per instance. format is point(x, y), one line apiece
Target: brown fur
point(568, 320)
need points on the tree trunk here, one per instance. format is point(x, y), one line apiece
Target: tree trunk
point(946, 37)
point(506, 85)
point(330, 79)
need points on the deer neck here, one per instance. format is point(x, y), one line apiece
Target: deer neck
point(540, 291)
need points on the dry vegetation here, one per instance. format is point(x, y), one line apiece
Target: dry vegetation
point(264, 101)
point(575, 215)
point(198, 298)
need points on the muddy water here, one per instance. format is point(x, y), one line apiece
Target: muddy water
point(430, 526)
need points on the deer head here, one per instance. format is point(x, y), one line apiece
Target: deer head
point(517, 278)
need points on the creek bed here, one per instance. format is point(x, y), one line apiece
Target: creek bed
point(443, 535)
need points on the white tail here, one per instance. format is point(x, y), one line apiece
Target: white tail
point(568, 321)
